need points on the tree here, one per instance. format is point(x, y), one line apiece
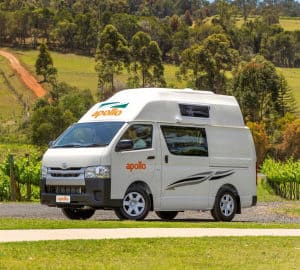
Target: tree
point(111, 56)
point(261, 139)
point(146, 58)
point(256, 85)
point(44, 64)
point(51, 116)
point(246, 6)
point(207, 63)
point(290, 145)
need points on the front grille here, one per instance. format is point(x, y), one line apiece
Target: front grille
point(66, 190)
point(70, 172)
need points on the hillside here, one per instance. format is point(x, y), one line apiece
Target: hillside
point(80, 71)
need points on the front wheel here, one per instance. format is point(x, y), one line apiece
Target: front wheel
point(136, 204)
point(78, 213)
point(225, 206)
point(166, 215)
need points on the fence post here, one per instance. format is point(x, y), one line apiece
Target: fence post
point(28, 183)
point(12, 179)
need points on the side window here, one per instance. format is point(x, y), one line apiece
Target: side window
point(186, 141)
point(194, 110)
point(140, 135)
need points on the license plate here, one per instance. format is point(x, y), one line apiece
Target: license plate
point(63, 198)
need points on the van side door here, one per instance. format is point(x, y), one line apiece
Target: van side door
point(185, 168)
point(135, 160)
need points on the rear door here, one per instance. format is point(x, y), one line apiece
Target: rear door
point(185, 168)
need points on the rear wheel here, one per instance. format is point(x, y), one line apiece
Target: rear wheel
point(136, 204)
point(78, 213)
point(225, 206)
point(166, 215)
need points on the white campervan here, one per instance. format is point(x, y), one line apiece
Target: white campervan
point(156, 149)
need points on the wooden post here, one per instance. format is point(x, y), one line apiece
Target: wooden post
point(28, 183)
point(12, 179)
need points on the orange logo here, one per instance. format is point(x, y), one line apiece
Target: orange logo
point(136, 166)
point(112, 112)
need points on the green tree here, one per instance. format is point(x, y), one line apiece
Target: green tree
point(257, 85)
point(146, 59)
point(111, 56)
point(205, 64)
point(44, 64)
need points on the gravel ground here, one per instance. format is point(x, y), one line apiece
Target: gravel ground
point(262, 213)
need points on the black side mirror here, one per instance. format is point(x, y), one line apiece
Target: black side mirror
point(124, 145)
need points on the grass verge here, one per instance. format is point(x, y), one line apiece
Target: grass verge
point(172, 253)
point(24, 223)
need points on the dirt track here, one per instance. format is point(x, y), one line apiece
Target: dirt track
point(25, 76)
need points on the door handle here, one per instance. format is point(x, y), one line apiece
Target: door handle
point(166, 159)
point(151, 157)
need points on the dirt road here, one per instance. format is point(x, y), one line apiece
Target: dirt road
point(25, 76)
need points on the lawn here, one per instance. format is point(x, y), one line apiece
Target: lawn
point(25, 223)
point(172, 253)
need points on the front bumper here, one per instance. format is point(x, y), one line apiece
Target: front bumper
point(95, 193)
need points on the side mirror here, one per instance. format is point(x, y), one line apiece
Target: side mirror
point(124, 145)
point(50, 144)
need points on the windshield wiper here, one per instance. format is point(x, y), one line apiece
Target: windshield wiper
point(68, 145)
point(95, 145)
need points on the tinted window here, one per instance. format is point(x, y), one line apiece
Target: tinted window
point(194, 110)
point(141, 136)
point(88, 134)
point(187, 141)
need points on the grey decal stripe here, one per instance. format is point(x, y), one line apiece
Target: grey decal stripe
point(199, 178)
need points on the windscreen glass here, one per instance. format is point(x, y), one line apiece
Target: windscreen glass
point(94, 134)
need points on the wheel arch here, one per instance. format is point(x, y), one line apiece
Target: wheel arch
point(234, 190)
point(146, 187)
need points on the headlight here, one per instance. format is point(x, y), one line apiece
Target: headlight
point(44, 171)
point(97, 172)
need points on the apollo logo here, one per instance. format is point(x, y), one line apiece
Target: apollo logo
point(136, 166)
point(110, 109)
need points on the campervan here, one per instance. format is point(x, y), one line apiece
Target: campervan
point(153, 149)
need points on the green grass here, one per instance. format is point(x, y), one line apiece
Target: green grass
point(287, 23)
point(172, 253)
point(24, 223)
point(80, 71)
point(265, 193)
point(10, 107)
point(292, 76)
point(290, 23)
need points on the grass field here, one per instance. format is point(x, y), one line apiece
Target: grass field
point(292, 76)
point(287, 23)
point(80, 71)
point(290, 23)
point(24, 223)
point(10, 107)
point(172, 253)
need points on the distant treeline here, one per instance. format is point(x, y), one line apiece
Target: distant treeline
point(74, 25)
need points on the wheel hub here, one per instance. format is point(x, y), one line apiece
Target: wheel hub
point(134, 204)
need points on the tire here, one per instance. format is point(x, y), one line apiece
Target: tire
point(77, 213)
point(225, 206)
point(136, 204)
point(166, 215)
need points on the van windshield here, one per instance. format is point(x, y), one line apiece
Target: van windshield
point(93, 134)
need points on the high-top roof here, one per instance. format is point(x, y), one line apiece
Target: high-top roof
point(162, 105)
